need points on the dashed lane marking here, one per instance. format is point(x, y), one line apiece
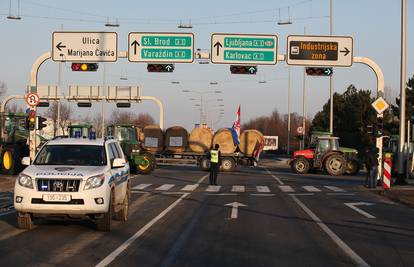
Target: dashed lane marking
point(190, 187)
point(238, 188)
point(165, 187)
point(286, 188)
point(334, 188)
point(141, 186)
point(213, 188)
point(311, 188)
point(262, 189)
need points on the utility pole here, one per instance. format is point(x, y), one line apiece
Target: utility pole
point(103, 102)
point(289, 92)
point(400, 176)
point(304, 105)
point(59, 86)
point(331, 77)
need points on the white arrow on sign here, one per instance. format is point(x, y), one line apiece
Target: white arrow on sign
point(235, 209)
point(353, 206)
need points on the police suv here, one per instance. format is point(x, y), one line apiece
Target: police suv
point(77, 178)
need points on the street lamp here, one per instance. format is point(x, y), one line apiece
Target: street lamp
point(202, 101)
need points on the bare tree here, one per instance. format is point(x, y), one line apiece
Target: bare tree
point(3, 88)
point(140, 120)
point(14, 108)
point(96, 122)
point(143, 119)
point(65, 116)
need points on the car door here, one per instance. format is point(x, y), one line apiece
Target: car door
point(117, 174)
point(124, 170)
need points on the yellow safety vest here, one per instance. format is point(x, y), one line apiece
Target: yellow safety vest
point(214, 156)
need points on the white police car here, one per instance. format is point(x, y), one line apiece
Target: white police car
point(77, 178)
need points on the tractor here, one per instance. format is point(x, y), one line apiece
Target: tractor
point(324, 154)
point(13, 142)
point(140, 161)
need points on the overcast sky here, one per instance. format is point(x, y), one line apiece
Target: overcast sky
point(374, 25)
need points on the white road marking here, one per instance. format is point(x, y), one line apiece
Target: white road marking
point(311, 188)
point(263, 195)
point(275, 177)
point(213, 188)
point(364, 213)
point(108, 259)
point(334, 188)
point(302, 194)
point(190, 187)
point(238, 188)
point(340, 194)
point(262, 189)
point(286, 188)
point(341, 244)
point(235, 209)
point(141, 186)
point(165, 187)
point(222, 194)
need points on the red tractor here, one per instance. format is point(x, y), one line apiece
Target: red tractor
point(324, 154)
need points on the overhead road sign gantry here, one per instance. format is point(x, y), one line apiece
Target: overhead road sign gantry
point(85, 46)
point(243, 49)
point(159, 47)
point(309, 50)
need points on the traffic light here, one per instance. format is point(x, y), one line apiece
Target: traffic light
point(32, 120)
point(319, 71)
point(380, 127)
point(243, 69)
point(160, 67)
point(370, 129)
point(41, 123)
point(84, 66)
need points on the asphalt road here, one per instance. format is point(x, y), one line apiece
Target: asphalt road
point(176, 219)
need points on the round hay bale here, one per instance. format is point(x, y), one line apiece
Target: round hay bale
point(152, 138)
point(176, 139)
point(249, 141)
point(224, 138)
point(200, 140)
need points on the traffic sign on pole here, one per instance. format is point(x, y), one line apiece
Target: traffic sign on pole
point(85, 46)
point(32, 99)
point(380, 105)
point(161, 47)
point(247, 49)
point(308, 50)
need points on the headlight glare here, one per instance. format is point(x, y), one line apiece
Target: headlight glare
point(25, 180)
point(94, 181)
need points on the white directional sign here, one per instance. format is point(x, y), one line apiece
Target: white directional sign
point(161, 47)
point(85, 46)
point(246, 49)
point(308, 50)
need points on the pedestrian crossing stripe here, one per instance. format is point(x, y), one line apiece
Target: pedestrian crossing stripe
point(238, 188)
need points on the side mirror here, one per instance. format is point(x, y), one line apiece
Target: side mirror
point(26, 161)
point(118, 163)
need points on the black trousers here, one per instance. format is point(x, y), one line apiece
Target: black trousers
point(213, 174)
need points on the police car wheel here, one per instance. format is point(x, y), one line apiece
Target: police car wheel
point(24, 221)
point(104, 224)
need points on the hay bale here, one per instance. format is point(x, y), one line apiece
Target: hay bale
point(224, 138)
point(176, 139)
point(152, 138)
point(200, 140)
point(249, 140)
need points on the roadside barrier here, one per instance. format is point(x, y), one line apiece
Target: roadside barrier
point(387, 172)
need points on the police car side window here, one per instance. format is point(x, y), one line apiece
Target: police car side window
point(118, 148)
point(111, 153)
point(115, 151)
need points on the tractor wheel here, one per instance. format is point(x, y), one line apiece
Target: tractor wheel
point(147, 163)
point(204, 164)
point(10, 160)
point(352, 167)
point(300, 166)
point(335, 164)
point(228, 164)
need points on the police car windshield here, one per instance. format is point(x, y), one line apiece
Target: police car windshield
point(78, 155)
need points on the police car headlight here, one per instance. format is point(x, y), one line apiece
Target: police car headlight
point(25, 180)
point(94, 181)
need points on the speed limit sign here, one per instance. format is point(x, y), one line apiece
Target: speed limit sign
point(32, 99)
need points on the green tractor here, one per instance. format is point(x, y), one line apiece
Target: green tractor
point(140, 161)
point(353, 164)
point(13, 142)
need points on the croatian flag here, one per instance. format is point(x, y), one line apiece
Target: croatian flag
point(235, 129)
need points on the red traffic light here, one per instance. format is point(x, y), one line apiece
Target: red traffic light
point(160, 67)
point(84, 66)
point(243, 69)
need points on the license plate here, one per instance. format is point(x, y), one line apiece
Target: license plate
point(56, 197)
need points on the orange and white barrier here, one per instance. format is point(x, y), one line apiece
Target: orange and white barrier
point(387, 172)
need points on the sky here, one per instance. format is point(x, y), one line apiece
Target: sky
point(373, 24)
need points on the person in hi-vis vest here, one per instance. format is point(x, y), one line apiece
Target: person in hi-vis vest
point(215, 162)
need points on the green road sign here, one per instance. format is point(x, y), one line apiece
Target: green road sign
point(243, 49)
point(161, 47)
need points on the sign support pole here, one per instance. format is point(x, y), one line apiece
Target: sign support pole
point(380, 92)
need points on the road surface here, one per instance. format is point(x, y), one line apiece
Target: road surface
point(255, 217)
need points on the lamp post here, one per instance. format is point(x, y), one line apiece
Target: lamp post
point(201, 99)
